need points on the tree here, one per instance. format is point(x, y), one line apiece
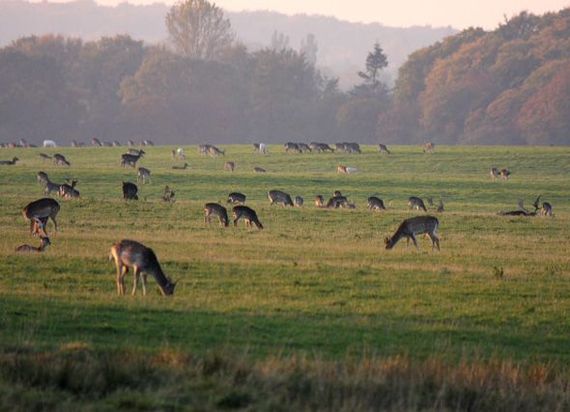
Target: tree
point(279, 41)
point(375, 62)
point(309, 48)
point(198, 29)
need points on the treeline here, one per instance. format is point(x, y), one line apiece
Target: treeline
point(509, 86)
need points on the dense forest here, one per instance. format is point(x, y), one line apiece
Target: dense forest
point(507, 86)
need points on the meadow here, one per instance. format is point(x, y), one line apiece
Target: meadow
point(311, 312)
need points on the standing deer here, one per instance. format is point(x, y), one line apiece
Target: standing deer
point(130, 191)
point(168, 195)
point(248, 214)
point(229, 166)
point(413, 226)
point(299, 201)
point(375, 203)
point(38, 212)
point(494, 173)
point(143, 174)
point(214, 151)
point(382, 148)
point(428, 147)
point(129, 159)
point(277, 196)
point(45, 242)
point(505, 173)
point(416, 203)
point(131, 254)
point(215, 209)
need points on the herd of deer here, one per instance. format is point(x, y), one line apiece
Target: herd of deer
point(129, 254)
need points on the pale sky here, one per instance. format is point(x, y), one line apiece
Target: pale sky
point(402, 13)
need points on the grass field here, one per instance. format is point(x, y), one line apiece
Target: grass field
point(313, 303)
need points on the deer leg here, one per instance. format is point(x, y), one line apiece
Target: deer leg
point(121, 272)
point(414, 240)
point(135, 280)
point(235, 221)
point(144, 277)
point(54, 222)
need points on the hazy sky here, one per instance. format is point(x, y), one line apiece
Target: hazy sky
point(457, 13)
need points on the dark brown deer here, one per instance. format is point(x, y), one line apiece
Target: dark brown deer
point(128, 159)
point(413, 226)
point(247, 214)
point(131, 254)
point(9, 162)
point(38, 212)
point(45, 242)
point(215, 209)
point(130, 191)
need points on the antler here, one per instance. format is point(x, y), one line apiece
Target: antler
point(535, 204)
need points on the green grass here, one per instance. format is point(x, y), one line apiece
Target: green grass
point(315, 282)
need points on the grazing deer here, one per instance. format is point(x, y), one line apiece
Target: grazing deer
point(38, 212)
point(375, 203)
point(215, 209)
point(382, 148)
point(258, 169)
point(229, 166)
point(45, 242)
point(143, 174)
point(147, 142)
point(494, 173)
point(416, 203)
point(299, 201)
point(236, 198)
point(319, 201)
point(290, 146)
point(60, 160)
point(338, 201)
point(45, 156)
point(130, 191)
point(168, 195)
point(68, 190)
point(96, 142)
point(183, 167)
point(50, 187)
point(9, 162)
point(505, 173)
point(413, 226)
point(352, 148)
point(277, 196)
point(131, 254)
point(116, 143)
point(214, 151)
point(129, 159)
point(248, 214)
point(428, 147)
point(304, 147)
point(320, 147)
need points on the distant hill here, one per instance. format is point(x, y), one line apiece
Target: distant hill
point(342, 46)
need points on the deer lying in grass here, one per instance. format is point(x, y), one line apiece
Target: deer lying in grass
point(183, 167)
point(544, 210)
point(247, 214)
point(45, 242)
point(413, 226)
point(68, 190)
point(131, 254)
point(9, 162)
point(38, 212)
point(215, 209)
point(375, 203)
